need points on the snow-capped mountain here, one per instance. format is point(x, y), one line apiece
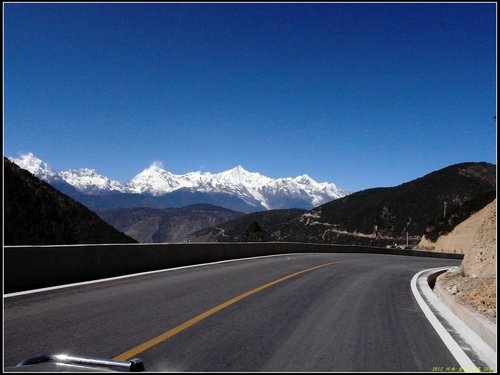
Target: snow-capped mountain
point(86, 181)
point(255, 189)
point(36, 166)
point(156, 181)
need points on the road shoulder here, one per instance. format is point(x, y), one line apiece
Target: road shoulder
point(471, 351)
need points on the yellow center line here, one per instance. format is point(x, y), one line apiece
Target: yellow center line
point(174, 331)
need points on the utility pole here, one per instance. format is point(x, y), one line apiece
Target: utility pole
point(444, 213)
point(406, 230)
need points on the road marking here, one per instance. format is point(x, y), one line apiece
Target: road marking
point(129, 354)
point(463, 360)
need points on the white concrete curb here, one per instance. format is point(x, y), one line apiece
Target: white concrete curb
point(426, 297)
point(479, 324)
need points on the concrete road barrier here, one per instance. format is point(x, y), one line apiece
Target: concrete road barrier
point(31, 267)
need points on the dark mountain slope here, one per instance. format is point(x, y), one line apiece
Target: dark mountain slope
point(422, 200)
point(444, 225)
point(167, 224)
point(37, 214)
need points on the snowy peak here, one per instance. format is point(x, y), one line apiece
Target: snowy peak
point(86, 180)
point(240, 176)
point(36, 166)
point(154, 180)
point(157, 181)
point(255, 189)
point(304, 180)
point(90, 182)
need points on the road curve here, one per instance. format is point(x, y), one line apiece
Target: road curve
point(296, 312)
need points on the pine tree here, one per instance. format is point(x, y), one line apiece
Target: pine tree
point(254, 233)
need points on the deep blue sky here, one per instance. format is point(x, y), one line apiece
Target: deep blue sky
point(361, 95)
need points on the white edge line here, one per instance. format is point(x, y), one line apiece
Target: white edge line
point(15, 294)
point(463, 360)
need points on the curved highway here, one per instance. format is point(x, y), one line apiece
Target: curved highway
point(297, 312)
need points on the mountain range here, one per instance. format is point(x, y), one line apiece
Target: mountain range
point(236, 189)
point(36, 213)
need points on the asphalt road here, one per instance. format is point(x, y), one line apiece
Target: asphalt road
point(353, 312)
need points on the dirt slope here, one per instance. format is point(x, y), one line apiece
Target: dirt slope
point(474, 283)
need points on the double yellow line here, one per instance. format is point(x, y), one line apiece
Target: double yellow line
point(174, 331)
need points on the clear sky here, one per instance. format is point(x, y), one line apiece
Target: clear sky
point(358, 94)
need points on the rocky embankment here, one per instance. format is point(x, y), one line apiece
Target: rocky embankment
point(474, 282)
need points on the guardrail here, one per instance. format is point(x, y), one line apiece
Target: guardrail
point(31, 267)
